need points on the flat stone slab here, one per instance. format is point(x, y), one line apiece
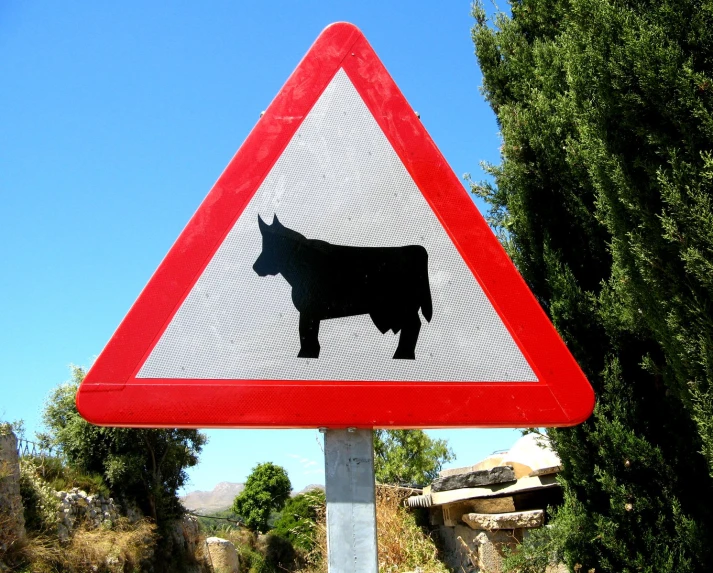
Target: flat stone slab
point(495, 490)
point(492, 505)
point(456, 471)
point(496, 475)
point(546, 471)
point(512, 520)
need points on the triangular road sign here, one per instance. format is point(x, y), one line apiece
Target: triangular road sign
point(336, 275)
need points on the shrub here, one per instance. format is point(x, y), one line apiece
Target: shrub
point(298, 522)
point(38, 498)
point(61, 476)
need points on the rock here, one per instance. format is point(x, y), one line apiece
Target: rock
point(11, 510)
point(457, 471)
point(496, 475)
point(222, 554)
point(492, 505)
point(460, 550)
point(513, 520)
point(546, 471)
point(452, 512)
point(493, 460)
point(491, 549)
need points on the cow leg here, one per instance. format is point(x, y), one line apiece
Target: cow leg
point(309, 341)
point(408, 338)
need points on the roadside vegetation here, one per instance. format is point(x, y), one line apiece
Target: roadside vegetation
point(297, 541)
point(142, 471)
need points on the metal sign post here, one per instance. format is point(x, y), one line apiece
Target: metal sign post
point(351, 501)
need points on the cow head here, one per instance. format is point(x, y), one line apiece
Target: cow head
point(271, 259)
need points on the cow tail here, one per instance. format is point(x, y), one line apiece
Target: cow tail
point(426, 303)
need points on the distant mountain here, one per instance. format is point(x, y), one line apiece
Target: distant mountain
point(220, 498)
point(310, 487)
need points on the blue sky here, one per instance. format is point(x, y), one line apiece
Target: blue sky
point(116, 121)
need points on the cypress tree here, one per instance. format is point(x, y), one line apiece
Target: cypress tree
point(604, 201)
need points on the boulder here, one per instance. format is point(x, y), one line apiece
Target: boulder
point(222, 555)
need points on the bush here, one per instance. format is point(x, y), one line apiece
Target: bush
point(141, 465)
point(298, 522)
point(279, 554)
point(61, 476)
point(38, 498)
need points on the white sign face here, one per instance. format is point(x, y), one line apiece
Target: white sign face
point(339, 181)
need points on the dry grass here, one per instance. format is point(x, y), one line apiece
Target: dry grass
point(124, 548)
point(316, 560)
point(403, 545)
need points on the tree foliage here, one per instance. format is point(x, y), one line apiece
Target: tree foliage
point(603, 200)
point(408, 457)
point(266, 490)
point(142, 465)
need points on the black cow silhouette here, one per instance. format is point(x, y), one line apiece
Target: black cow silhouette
point(390, 284)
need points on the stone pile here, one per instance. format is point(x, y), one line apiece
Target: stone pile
point(76, 506)
point(481, 511)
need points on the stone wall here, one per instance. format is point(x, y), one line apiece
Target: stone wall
point(12, 521)
point(76, 506)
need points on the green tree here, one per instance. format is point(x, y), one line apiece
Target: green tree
point(603, 200)
point(142, 465)
point(408, 456)
point(266, 490)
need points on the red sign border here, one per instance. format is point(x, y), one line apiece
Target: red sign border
point(112, 395)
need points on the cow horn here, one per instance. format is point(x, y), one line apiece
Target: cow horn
point(261, 224)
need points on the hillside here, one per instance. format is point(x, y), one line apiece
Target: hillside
point(219, 498)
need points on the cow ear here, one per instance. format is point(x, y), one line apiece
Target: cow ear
point(276, 221)
point(262, 224)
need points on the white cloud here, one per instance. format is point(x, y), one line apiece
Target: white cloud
point(308, 465)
